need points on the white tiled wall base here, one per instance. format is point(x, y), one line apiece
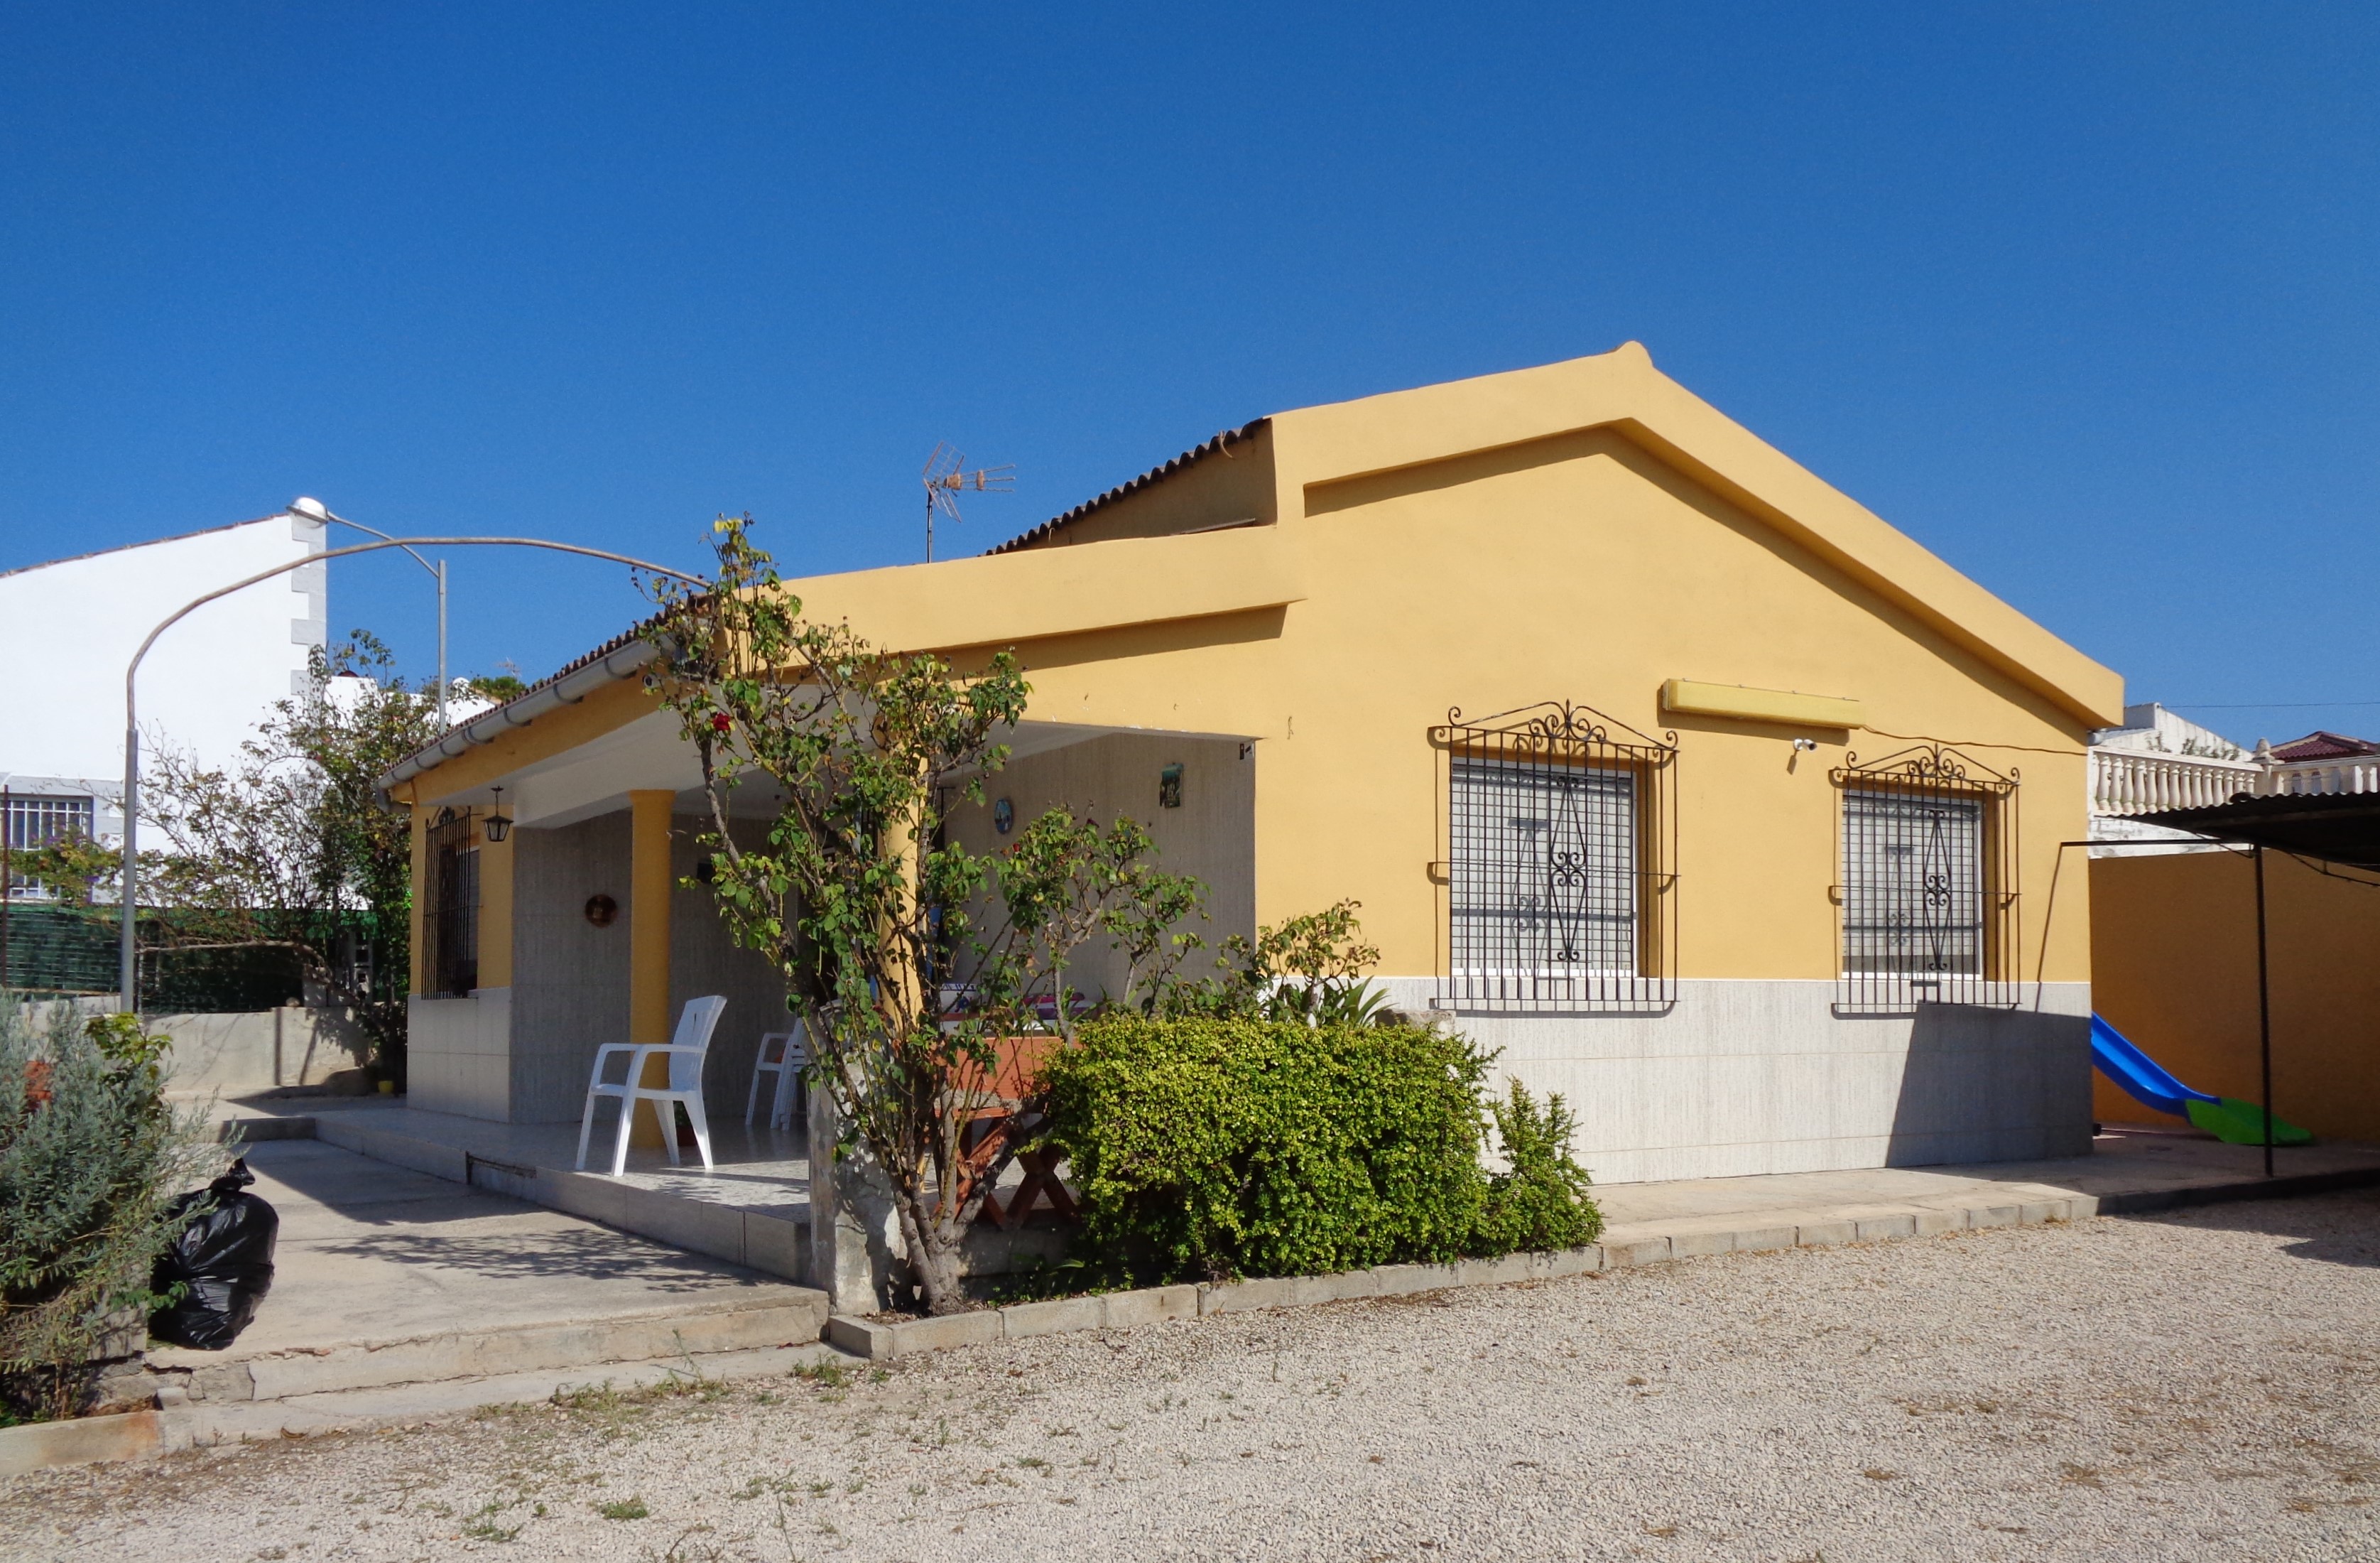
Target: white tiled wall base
point(1743, 1078)
point(459, 1054)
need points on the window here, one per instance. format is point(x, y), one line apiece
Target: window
point(39, 821)
point(1928, 897)
point(450, 921)
point(1556, 841)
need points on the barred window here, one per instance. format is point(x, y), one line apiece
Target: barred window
point(1927, 898)
point(451, 900)
point(1556, 836)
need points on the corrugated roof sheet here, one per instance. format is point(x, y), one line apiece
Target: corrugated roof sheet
point(1189, 458)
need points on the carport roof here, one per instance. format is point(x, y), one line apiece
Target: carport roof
point(2336, 828)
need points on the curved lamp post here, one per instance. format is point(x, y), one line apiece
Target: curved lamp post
point(129, 952)
point(315, 510)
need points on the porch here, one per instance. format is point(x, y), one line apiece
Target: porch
point(573, 925)
point(754, 1207)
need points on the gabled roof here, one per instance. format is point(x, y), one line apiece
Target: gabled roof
point(1318, 449)
point(2321, 744)
point(1189, 459)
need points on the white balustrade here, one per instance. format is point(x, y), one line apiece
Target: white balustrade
point(2130, 781)
point(2302, 777)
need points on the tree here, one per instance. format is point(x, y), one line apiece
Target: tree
point(909, 957)
point(289, 847)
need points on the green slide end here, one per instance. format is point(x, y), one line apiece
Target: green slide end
point(2242, 1123)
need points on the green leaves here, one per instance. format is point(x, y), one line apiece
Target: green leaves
point(290, 846)
point(1309, 970)
point(1203, 1149)
point(854, 889)
point(89, 1153)
point(1206, 1148)
point(1540, 1200)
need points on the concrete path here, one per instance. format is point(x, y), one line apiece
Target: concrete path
point(2128, 1170)
point(385, 1275)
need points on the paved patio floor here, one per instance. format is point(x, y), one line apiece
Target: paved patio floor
point(370, 1256)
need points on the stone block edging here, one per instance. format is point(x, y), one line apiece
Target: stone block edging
point(81, 1441)
point(910, 1337)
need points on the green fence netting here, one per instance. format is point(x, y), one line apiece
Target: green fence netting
point(53, 949)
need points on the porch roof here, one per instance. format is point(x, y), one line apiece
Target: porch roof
point(957, 605)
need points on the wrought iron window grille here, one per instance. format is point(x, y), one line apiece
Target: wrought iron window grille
point(1558, 837)
point(452, 896)
point(1926, 891)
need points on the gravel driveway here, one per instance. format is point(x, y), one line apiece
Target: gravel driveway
point(2201, 1385)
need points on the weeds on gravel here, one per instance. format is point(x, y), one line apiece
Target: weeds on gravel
point(613, 1412)
point(625, 1509)
point(482, 1526)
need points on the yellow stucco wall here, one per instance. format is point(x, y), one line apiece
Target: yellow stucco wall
point(2173, 956)
point(1580, 569)
point(1583, 531)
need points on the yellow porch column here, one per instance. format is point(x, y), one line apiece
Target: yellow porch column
point(649, 940)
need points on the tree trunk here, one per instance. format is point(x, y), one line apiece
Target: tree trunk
point(933, 1255)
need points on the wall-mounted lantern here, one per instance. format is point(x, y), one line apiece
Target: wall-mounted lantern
point(601, 910)
point(496, 825)
point(1169, 787)
point(1003, 815)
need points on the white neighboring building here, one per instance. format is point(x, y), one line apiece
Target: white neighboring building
point(67, 628)
point(2158, 760)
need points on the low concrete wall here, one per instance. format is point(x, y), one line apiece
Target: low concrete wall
point(259, 1051)
point(1743, 1078)
point(231, 1052)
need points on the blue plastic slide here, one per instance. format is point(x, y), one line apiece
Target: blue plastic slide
point(2143, 1080)
point(2232, 1121)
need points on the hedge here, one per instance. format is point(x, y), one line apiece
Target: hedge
point(1212, 1148)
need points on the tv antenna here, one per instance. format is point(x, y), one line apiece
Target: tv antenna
point(946, 480)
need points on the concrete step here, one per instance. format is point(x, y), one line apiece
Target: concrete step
point(184, 1424)
point(345, 1410)
point(755, 1318)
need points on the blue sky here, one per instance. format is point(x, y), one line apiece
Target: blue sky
point(2081, 297)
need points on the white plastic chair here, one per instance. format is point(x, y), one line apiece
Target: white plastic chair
point(684, 1052)
point(791, 1053)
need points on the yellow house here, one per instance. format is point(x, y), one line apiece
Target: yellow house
point(1712, 800)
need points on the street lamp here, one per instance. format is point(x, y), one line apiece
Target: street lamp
point(129, 950)
point(315, 510)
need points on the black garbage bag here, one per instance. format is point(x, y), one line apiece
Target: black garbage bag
point(222, 1260)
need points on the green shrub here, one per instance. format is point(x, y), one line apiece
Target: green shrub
point(1540, 1200)
point(1209, 1148)
point(89, 1153)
